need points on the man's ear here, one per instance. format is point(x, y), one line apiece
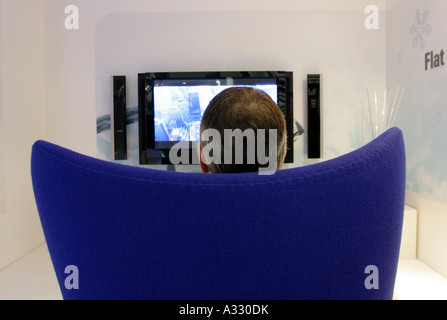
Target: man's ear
point(203, 166)
point(283, 158)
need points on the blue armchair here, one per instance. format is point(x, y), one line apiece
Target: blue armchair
point(331, 230)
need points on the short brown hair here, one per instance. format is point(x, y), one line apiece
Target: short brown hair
point(244, 108)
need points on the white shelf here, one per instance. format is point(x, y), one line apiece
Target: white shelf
point(409, 234)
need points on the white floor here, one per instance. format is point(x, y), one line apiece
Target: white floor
point(32, 278)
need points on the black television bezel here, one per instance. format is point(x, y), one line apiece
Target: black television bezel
point(148, 154)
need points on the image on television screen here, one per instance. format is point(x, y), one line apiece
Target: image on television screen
point(178, 108)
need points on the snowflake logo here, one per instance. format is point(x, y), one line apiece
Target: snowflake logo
point(420, 29)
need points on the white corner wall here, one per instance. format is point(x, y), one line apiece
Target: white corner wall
point(431, 231)
point(2, 167)
point(23, 79)
point(415, 28)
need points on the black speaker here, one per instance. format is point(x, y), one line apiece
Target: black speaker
point(314, 116)
point(119, 117)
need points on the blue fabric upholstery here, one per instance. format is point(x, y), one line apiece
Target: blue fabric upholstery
point(302, 233)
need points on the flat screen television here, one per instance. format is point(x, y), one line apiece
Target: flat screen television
point(171, 105)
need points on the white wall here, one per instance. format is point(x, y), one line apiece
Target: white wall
point(58, 101)
point(414, 28)
point(304, 36)
point(23, 77)
point(50, 92)
point(2, 168)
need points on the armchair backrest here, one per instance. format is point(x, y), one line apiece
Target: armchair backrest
point(330, 230)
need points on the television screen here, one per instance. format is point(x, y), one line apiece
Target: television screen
point(171, 105)
point(179, 106)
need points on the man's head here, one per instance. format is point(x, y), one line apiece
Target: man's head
point(247, 113)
